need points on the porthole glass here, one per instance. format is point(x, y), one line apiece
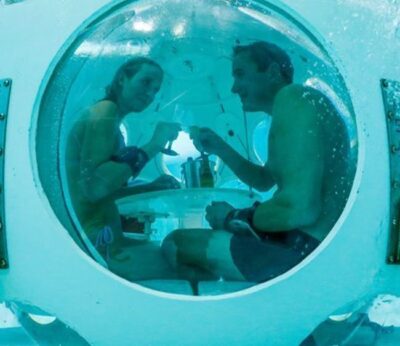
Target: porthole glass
point(169, 121)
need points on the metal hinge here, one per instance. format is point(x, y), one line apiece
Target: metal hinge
point(5, 91)
point(391, 100)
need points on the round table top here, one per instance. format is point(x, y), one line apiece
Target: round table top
point(182, 201)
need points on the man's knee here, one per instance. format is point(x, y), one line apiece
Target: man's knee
point(186, 247)
point(169, 249)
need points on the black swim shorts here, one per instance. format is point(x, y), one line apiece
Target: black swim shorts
point(276, 253)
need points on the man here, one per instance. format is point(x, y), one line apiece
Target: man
point(307, 160)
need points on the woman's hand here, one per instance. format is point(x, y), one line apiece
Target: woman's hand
point(164, 133)
point(165, 182)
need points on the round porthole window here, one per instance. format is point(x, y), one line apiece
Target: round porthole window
point(196, 147)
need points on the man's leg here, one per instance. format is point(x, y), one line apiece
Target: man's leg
point(208, 250)
point(141, 261)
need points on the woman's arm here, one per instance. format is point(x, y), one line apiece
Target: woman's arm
point(100, 176)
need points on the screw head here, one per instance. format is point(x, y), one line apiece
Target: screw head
point(6, 83)
point(390, 115)
point(2, 116)
point(3, 263)
point(385, 83)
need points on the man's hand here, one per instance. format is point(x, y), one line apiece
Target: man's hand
point(205, 139)
point(216, 214)
point(165, 182)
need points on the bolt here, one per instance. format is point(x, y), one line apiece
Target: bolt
point(3, 263)
point(6, 83)
point(385, 83)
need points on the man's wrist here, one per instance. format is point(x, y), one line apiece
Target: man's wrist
point(245, 215)
point(221, 150)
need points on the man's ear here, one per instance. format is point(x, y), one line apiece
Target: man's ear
point(274, 71)
point(121, 80)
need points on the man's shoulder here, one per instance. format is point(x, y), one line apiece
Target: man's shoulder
point(298, 92)
point(297, 96)
point(297, 104)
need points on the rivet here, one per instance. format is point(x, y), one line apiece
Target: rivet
point(395, 184)
point(390, 115)
point(385, 83)
point(391, 259)
point(394, 222)
point(394, 149)
point(2, 116)
point(3, 263)
point(6, 83)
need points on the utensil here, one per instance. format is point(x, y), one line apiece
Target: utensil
point(168, 150)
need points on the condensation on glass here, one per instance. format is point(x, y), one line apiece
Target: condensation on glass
point(122, 220)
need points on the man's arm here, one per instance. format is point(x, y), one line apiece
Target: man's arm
point(252, 174)
point(298, 148)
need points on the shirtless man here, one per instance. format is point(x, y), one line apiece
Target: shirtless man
point(308, 149)
point(99, 164)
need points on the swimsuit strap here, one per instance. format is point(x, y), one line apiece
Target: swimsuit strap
point(105, 237)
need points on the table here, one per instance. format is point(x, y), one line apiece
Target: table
point(188, 205)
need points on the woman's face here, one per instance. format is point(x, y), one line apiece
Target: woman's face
point(138, 92)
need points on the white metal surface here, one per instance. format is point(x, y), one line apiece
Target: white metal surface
point(47, 269)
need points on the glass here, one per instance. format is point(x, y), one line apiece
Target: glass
point(193, 46)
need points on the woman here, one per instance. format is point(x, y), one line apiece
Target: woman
point(98, 162)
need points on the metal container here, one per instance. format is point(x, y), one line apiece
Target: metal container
point(191, 171)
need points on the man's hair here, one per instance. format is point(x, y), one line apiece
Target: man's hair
point(264, 53)
point(128, 69)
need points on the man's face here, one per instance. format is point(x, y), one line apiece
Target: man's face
point(250, 84)
point(139, 91)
